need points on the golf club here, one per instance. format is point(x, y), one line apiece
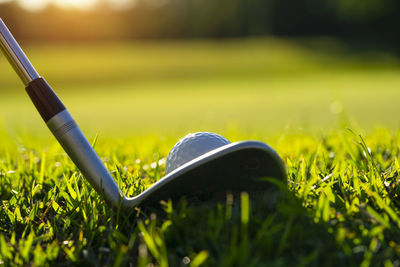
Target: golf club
point(233, 167)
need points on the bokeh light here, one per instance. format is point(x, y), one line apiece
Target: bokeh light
point(35, 5)
point(40, 4)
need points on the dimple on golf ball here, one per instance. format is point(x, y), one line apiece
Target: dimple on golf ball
point(192, 146)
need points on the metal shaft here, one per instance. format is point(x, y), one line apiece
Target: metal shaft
point(16, 56)
point(60, 121)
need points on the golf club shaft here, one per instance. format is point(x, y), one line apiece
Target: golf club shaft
point(16, 56)
point(59, 120)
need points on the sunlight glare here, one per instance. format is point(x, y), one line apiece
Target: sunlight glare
point(81, 4)
point(34, 5)
point(40, 4)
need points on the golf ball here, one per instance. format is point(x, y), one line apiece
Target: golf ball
point(192, 146)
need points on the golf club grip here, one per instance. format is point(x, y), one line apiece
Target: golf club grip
point(71, 138)
point(44, 98)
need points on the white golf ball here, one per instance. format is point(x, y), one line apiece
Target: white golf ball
point(192, 146)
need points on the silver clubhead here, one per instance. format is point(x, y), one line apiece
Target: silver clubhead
point(232, 168)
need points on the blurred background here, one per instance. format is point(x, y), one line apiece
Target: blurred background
point(168, 67)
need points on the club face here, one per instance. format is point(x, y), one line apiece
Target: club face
point(233, 170)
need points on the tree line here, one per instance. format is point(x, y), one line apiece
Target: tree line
point(373, 20)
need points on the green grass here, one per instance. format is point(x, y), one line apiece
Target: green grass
point(339, 206)
point(171, 87)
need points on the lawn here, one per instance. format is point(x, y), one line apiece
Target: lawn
point(170, 88)
point(327, 108)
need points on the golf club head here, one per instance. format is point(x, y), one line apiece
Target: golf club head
point(232, 168)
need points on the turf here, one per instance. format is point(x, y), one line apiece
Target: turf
point(339, 204)
point(172, 87)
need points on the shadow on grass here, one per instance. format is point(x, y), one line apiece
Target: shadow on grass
point(271, 228)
